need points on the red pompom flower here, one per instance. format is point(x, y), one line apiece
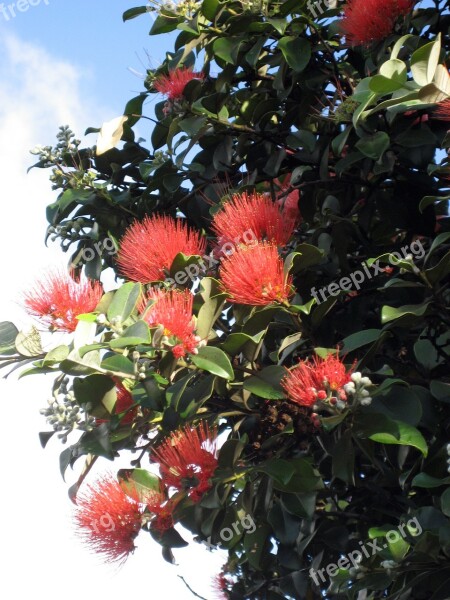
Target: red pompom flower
point(173, 84)
point(172, 310)
point(317, 379)
point(187, 459)
point(255, 275)
point(366, 21)
point(442, 111)
point(253, 213)
point(57, 300)
point(108, 520)
point(149, 247)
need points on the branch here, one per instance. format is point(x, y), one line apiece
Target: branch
point(190, 589)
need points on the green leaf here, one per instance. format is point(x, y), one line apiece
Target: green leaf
point(136, 334)
point(360, 339)
point(139, 481)
point(267, 383)
point(296, 52)
point(382, 429)
point(132, 13)
point(445, 502)
point(215, 361)
point(423, 480)
point(440, 390)
point(118, 364)
point(124, 301)
point(8, 335)
point(97, 391)
point(390, 313)
point(374, 146)
point(227, 48)
point(256, 545)
point(424, 62)
point(55, 356)
point(305, 256)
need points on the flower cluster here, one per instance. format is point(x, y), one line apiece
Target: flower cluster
point(255, 276)
point(107, 519)
point(266, 219)
point(188, 459)
point(149, 247)
point(57, 300)
point(325, 380)
point(171, 311)
point(366, 21)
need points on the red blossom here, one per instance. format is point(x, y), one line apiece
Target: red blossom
point(366, 21)
point(220, 585)
point(172, 310)
point(124, 403)
point(187, 459)
point(255, 275)
point(316, 379)
point(256, 213)
point(107, 519)
point(149, 247)
point(442, 111)
point(288, 202)
point(173, 84)
point(57, 299)
point(162, 510)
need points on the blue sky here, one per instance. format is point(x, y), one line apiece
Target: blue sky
point(62, 63)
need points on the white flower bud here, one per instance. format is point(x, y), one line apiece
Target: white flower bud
point(350, 388)
point(366, 401)
point(356, 377)
point(365, 381)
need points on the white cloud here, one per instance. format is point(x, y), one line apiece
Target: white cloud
point(38, 93)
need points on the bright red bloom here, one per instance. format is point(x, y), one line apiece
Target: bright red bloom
point(187, 459)
point(173, 84)
point(317, 379)
point(57, 299)
point(254, 275)
point(256, 213)
point(108, 520)
point(442, 111)
point(366, 21)
point(173, 311)
point(149, 247)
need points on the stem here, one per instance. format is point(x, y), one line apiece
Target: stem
point(190, 589)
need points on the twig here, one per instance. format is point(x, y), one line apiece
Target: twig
point(190, 589)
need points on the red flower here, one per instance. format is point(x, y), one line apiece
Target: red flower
point(187, 459)
point(254, 213)
point(255, 276)
point(172, 310)
point(124, 403)
point(173, 84)
point(220, 586)
point(58, 299)
point(288, 203)
point(317, 379)
point(366, 21)
point(442, 111)
point(108, 520)
point(149, 247)
point(163, 511)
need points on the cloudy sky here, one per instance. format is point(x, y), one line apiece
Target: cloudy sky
point(63, 62)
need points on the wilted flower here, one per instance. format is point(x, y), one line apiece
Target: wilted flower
point(255, 276)
point(187, 459)
point(57, 299)
point(149, 247)
point(108, 520)
point(366, 21)
point(172, 310)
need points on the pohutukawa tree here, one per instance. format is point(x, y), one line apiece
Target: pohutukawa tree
point(277, 347)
